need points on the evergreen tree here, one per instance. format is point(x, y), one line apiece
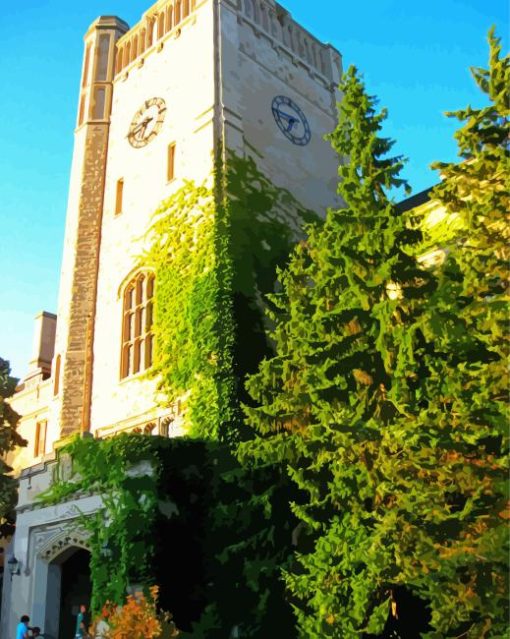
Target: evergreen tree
point(9, 439)
point(387, 396)
point(347, 296)
point(465, 416)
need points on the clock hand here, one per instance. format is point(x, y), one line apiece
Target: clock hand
point(142, 125)
point(291, 120)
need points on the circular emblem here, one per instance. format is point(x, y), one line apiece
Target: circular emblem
point(147, 122)
point(291, 120)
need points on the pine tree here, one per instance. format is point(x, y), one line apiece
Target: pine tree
point(346, 297)
point(9, 440)
point(387, 395)
point(463, 417)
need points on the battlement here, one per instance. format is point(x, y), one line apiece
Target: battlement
point(162, 18)
point(275, 22)
point(266, 17)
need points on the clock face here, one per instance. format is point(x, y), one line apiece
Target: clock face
point(147, 122)
point(291, 120)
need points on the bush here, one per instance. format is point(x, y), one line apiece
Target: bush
point(138, 618)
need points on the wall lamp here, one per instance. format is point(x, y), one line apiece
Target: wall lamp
point(13, 564)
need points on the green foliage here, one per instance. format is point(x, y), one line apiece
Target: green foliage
point(386, 396)
point(127, 471)
point(468, 321)
point(214, 250)
point(249, 541)
point(9, 440)
point(323, 397)
point(192, 353)
point(250, 523)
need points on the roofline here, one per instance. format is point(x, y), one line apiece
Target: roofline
point(415, 200)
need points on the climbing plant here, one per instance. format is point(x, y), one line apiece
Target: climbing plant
point(387, 395)
point(193, 344)
point(143, 482)
point(215, 248)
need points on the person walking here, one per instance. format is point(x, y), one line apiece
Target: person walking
point(22, 627)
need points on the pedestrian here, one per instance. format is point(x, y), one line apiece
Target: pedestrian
point(35, 632)
point(82, 623)
point(22, 628)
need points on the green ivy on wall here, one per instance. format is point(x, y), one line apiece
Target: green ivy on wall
point(215, 249)
point(144, 482)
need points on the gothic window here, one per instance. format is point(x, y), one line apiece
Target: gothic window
point(98, 103)
point(137, 337)
point(102, 58)
point(40, 438)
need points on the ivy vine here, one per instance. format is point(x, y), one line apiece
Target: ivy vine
point(215, 249)
point(135, 475)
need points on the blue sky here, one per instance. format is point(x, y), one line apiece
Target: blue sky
point(415, 57)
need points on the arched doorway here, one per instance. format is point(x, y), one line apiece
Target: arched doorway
point(75, 588)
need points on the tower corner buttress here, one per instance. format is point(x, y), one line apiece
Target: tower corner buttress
point(70, 411)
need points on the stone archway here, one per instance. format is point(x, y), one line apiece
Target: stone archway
point(62, 541)
point(62, 576)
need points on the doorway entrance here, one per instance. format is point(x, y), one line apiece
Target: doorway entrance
point(75, 589)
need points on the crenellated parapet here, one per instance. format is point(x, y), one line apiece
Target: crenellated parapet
point(162, 18)
point(267, 18)
point(275, 22)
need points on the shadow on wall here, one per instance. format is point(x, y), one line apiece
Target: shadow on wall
point(265, 221)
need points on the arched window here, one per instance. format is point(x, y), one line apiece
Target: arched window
point(137, 337)
point(185, 9)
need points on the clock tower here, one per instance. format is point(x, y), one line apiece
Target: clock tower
point(160, 103)
point(157, 103)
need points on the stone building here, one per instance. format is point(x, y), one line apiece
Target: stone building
point(157, 103)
